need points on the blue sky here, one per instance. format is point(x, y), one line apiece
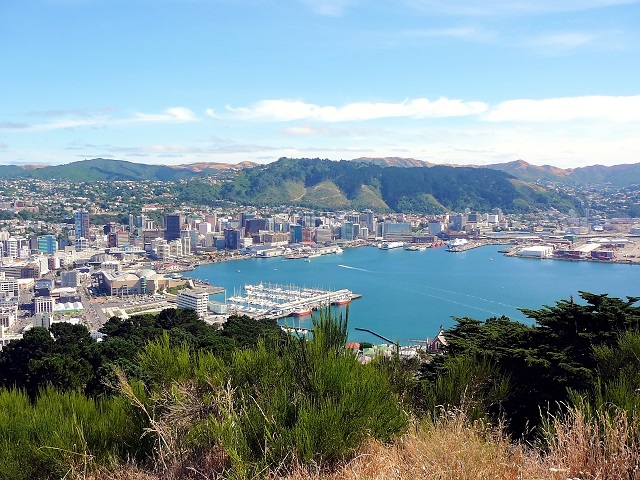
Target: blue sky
point(446, 81)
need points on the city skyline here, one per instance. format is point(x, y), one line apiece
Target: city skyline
point(183, 81)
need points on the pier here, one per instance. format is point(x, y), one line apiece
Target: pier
point(278, 301)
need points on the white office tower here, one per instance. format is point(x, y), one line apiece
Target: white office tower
point(197, 300)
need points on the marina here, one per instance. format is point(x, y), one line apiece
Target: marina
point(273, 300)
point(408, 295)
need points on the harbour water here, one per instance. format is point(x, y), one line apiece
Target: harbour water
point(408, 295)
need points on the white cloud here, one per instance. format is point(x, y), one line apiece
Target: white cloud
point(289, 110)
point(66, 119)
point(511, 7)
point(211, 113)
point(174, 114)
point(564, 40)
point(560, 43)
point(614, 109)
point(457, 33)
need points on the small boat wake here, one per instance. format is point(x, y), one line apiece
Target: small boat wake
point(354, 268)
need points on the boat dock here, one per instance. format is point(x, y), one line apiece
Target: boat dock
point(278, 301)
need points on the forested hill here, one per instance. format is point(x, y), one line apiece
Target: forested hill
point(325, 184)
point(347, 184)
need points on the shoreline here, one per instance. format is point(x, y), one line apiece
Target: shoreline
point(471, 246)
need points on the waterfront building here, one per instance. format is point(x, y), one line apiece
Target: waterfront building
point(232, 239)
point(308, 220)
point(348, 231)
point(367, 218)
point(254, 225)
point(436, 228)
point(323, 234)
point(397, 232)
point(295, 232)
point(536, 251)
point(197, 300)
point(308, 234)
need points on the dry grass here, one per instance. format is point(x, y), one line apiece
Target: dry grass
point(453, 449)
point(607, 447)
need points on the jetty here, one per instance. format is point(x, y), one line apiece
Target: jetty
point(271, 300)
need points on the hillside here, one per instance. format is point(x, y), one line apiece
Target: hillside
point(394, 162)
point(348, 184)
point(101, 169)
point(380, 184)
point(620, 175)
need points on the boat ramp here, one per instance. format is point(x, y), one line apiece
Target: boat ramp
point(269, 300)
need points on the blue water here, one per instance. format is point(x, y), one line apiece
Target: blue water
point(408, 295)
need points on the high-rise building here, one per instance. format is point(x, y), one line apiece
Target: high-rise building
point(232, 239)
point(295, 233)
point(197, 300)
point(82, 224)
point(173, 225)
point(47, 244)
point(347, 232)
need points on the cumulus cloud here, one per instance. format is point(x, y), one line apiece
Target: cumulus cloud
point(289, 110)
point(615, 109)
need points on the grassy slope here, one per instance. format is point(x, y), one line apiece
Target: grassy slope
point(367, 196)
point(325, 194)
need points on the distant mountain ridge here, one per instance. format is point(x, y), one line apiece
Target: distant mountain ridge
point(100, 169)
point(621, 175)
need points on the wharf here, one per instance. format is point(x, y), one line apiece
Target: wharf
point(464, 248)
point(279, 301)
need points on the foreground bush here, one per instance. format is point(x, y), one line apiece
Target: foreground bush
point(264, 408)
point(65, 434)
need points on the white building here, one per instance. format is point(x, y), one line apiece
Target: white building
point(8, 310)
point(44, 304)
point(536, 251)
point(197, 300)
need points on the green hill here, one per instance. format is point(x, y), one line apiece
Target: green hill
point(326, 184)
point(348, 184)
